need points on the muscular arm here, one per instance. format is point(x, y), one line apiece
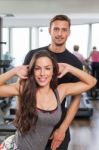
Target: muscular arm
point(59, 134)
point(85, 83)
point(72, 110)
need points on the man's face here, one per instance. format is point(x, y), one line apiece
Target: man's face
point(59, 32)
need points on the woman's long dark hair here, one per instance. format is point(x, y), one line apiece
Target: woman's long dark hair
point(26, 114)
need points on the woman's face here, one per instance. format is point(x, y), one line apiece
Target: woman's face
point(43, 71)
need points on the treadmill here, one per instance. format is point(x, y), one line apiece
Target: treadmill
point(85, 109)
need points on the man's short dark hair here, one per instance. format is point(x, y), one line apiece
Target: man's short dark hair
point(61, 18)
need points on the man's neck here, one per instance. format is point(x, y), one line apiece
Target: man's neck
point(56, 49)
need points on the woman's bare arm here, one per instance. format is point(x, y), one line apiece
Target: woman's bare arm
point(7, 90)
point(86, 81)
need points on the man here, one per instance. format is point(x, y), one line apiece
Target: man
point(78, 54)
point(60, 30)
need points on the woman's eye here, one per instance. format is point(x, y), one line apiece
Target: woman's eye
point(36, 68)
point(48, 68)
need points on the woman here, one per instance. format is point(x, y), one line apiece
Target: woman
point(39, 98)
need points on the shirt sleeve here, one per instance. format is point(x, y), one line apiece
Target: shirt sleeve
point(28, 57)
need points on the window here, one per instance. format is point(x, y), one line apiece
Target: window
point(78, 36)
point(95, 35)
point(44, 37)
point(20, 44)
point(5, 38)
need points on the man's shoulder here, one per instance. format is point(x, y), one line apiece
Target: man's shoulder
point(29, 55)
point(70, 55)
point(73, 60)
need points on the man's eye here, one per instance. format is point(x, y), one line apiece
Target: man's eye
point(65, 30)
point(56, 29)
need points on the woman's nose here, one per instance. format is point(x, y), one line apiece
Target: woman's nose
point(42, 71)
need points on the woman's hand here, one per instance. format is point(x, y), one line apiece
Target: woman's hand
point(22, 71)
point(63, 69)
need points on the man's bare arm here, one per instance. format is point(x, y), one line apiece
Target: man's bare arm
point(59, 134)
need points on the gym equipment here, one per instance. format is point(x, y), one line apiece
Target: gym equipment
point(4, 102)
point(94, 92)
point(11, 114)
point(85, 109)
point(5, 64)
point(7, 127)
point(6, 130)
point(9, 118)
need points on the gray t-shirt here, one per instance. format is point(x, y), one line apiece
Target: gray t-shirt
point(37, 140)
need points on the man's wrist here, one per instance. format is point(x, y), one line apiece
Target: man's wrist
point(63, 127)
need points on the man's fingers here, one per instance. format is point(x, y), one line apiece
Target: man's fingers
point(55, 144)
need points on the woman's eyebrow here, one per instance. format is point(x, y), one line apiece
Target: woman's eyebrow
point(43, 66)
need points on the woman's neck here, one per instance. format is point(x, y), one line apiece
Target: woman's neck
point(43, 90)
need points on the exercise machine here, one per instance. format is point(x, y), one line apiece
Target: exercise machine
point(85, 109)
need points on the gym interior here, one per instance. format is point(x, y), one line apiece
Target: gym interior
point(24, 26)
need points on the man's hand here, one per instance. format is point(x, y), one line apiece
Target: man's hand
point(57, 138)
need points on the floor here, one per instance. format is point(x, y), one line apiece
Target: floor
point(84, 132)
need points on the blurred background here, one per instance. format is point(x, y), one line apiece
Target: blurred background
point(24, 26)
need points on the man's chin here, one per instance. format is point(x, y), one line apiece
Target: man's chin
point(60, 44)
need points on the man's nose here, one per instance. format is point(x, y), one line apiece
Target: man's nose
point(60, 32)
